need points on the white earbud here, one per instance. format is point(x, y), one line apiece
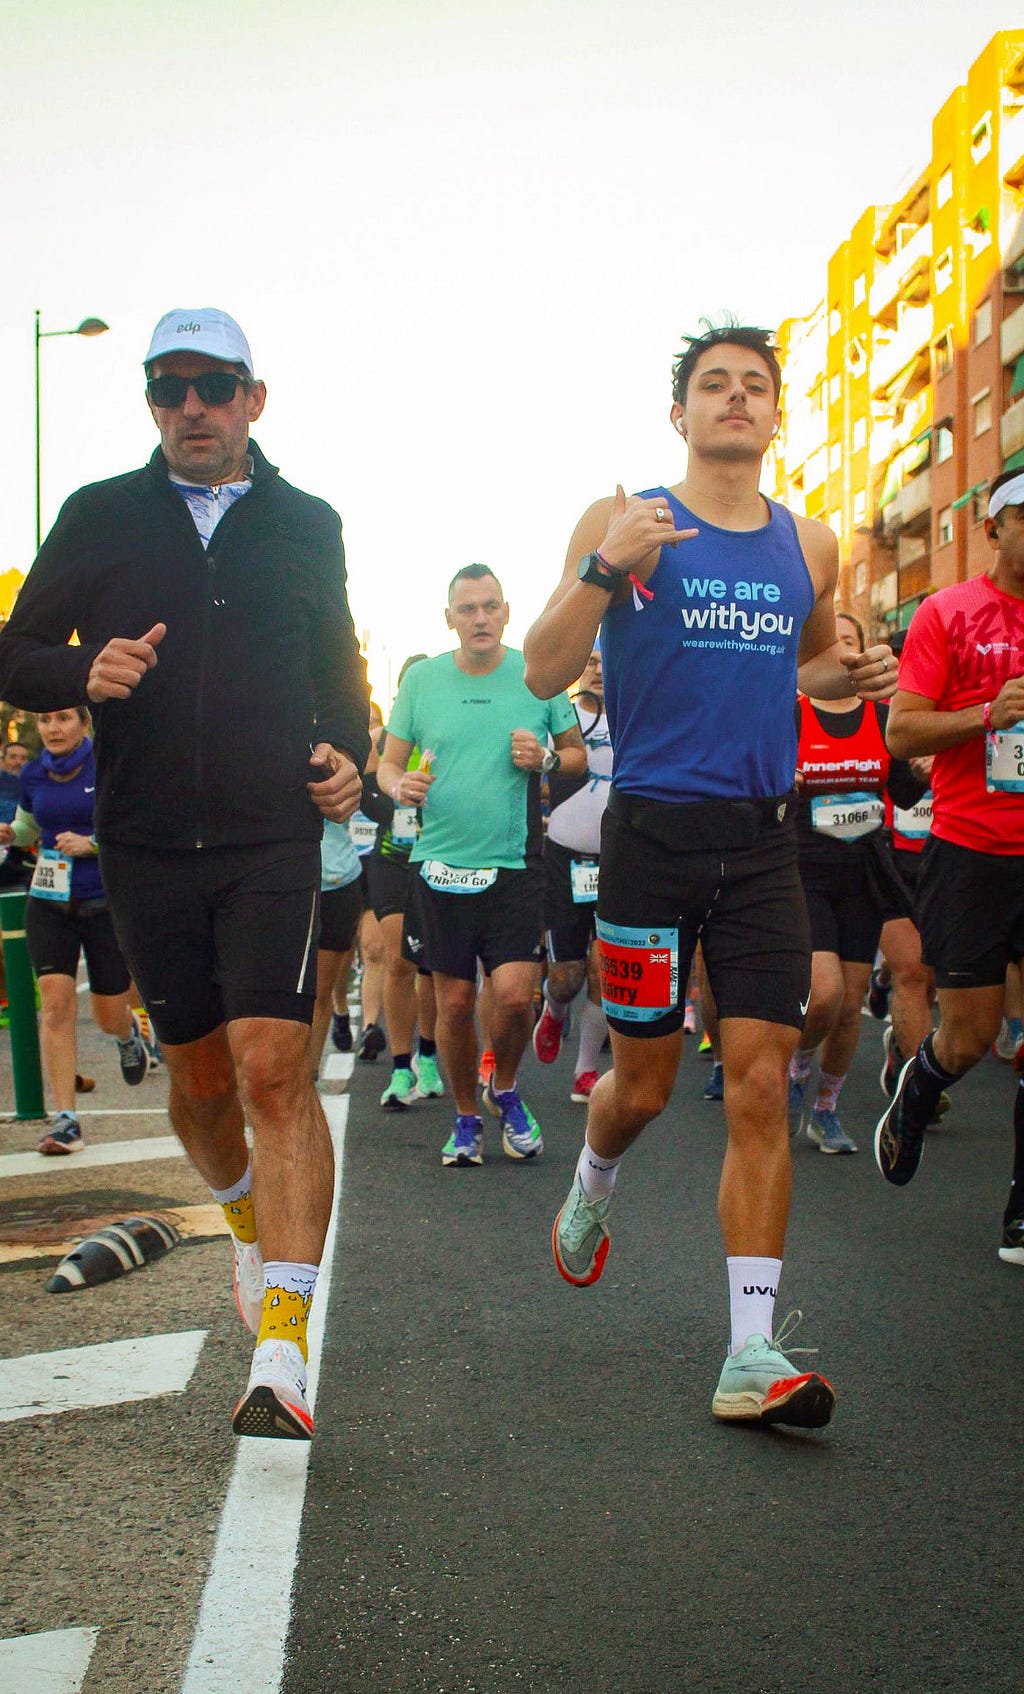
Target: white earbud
point(680, 426)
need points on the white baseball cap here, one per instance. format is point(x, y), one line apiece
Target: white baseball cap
point(200, 330)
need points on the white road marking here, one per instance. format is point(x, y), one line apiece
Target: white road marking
point(257, 1543)
point(338, 1068)
point(104, 1153)
point(50, 1663)
point(40, 1384)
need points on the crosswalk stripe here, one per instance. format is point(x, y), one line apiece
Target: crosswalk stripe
point(108, 1374)
point(136, 1152)
point(257, 1543)
point(54, 1662)
point(338, 1068)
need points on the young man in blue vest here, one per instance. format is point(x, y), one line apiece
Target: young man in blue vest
point(708, 597)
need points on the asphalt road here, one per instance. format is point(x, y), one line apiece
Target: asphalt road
point(518, 1486)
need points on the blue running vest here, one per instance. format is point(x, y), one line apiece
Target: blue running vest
point(700, 681)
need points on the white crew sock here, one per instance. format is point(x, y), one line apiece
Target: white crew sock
point(225, 1196)
point(593, 1029)
point(753, 1284)
point(597, 1175)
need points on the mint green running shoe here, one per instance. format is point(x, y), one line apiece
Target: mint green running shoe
point(759, 1384)
point(428, 1078)
point(400, 1091)
point(579, 1239)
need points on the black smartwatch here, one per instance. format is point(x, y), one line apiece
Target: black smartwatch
point(591, 568)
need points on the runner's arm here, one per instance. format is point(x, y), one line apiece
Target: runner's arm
point(572, 754)
point(917, 726)
point(392, 774)
point(826, 670)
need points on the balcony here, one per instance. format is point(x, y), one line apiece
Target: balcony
point(913, 500)
point(910, 340)
point(899, 271)
point(1011, 429)
point(1011, 337)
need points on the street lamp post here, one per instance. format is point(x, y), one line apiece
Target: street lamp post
point(88, 326)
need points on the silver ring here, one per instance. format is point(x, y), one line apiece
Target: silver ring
point(659, 514)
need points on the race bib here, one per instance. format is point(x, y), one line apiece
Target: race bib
point(846, 816)
point(455, 879)
point(362, 832)
point(52, 877)
point(405, 826)
point(1004, 760)
point(639, 972)
point(583, 879)
point(915, 822)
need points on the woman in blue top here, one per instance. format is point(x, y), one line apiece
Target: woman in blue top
point(66, 913)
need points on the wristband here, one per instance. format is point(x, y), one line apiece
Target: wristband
point(986, 716)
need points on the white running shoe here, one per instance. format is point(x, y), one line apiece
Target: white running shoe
point(274, 1404)
point(248, 1276)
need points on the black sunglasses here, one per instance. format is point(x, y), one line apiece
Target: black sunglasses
point(214, 388)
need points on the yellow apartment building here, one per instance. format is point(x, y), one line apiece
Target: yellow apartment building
point(903, 390)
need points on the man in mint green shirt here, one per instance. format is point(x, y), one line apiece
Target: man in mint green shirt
point(478, 888)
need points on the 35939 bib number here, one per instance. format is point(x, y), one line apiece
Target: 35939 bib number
point(639, 971)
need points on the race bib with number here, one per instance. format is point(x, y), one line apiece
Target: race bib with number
point(915, 822)
point(405, 826)
point(583, 878)
point(1004, 760)
point(846, 816)
point(52, 878)
point(456, 879)
point(639, 971)
point(362, 832)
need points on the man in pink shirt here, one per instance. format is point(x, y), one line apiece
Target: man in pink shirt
point(961, 698)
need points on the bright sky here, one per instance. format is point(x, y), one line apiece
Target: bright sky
point(463, 237)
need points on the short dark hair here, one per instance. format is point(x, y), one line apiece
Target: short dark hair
point(474, 573)
point(759, 341)
point(997, 482)
point(841, 612)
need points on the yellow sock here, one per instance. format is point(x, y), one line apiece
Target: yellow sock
point(240, 1217)
point(285, 1316)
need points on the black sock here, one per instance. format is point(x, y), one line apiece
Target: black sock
point(927, 1079)
point(1015, 1204)
point(401, 1061)
point(341, 1017)
point(427, 1048)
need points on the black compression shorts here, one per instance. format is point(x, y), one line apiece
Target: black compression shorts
point(57, 931)
point(340, 911)
point(568, 920)
point(218, 933)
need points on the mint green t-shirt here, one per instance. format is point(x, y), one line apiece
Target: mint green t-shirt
point(476, 810)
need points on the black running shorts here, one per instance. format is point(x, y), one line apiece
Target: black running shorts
point(388, 881)
point(501, 925)
point(568, 920)
point(218, 933)
point(57, 931)
point(340, 911)
point(970, 909)
point(845, 918)
point(743, 901)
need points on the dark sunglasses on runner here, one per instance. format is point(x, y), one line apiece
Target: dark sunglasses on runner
point(214, 388)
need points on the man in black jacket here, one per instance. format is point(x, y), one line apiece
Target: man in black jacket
point(218, 655)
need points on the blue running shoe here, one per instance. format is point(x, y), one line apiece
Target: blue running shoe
point(714, 1088)
point(760, 1385)
point(828, 1134)
point(795, 1104)
point(64, 1137)
point(579, 1239)
point(520, 1131)
point(465, 1145)
point(132, 1056)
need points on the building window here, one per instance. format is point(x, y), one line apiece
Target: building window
point(860, 434)
point(835, 520)
point(835, 321)
point(835, 456)
point(982, 408)
point(944, 270)
point(945, 526)
point(944, 189)
point(981, 138)
point(943, 444)
point(983, 322)
point(835, 389)
point(979, 505)
point(944, 353)
point(860, 507)
point(859, 290)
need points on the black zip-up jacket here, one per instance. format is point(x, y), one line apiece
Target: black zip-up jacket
point(259, 661)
